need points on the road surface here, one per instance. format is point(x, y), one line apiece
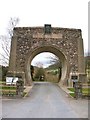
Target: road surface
point(46, 100)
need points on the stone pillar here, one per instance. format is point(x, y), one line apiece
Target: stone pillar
point(81, 61)
point(12, 61)
point(28, 79)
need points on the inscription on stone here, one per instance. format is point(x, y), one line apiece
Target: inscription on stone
point(53, 35)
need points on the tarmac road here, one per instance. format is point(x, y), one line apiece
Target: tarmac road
point(46, 100)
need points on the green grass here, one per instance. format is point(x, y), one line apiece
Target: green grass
point(24, 94)
point(8, 87)
point(72, 94)
point(2, 82)
point(6, 90)
point(85, 91)
point(71, 89)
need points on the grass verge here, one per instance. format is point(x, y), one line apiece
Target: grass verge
point(85, 91)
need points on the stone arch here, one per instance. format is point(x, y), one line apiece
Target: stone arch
point(65, 43)
point(52, 49)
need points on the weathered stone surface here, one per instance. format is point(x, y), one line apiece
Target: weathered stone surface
point(27, 40)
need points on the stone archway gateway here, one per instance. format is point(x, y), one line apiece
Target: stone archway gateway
point(65, 43)
point(47, 48)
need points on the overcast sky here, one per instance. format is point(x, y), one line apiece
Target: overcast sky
point(44, 58)
point(58, 13)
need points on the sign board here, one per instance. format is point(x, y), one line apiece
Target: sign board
point(74, 78)
point(11, 80)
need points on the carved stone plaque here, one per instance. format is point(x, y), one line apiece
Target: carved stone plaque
point(40, 35)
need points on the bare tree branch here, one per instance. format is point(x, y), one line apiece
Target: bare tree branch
point(5, 50)
point(6, 41)
point(39, 64)
point(55, 60)
point(4, 57)
point(4, 62)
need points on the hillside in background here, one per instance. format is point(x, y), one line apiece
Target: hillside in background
point(53, 66)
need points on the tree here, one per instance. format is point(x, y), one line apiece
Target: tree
point(3, 72)
point(39, 65)
point(6, 41)
point(87, 62)
point(32, 71)
point(56, 62)
point(40, 74)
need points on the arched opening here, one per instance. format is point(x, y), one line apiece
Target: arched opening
point(46, 67)
point(51, 49)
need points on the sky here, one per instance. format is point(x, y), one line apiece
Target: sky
point(45, 61)
point(58, 13)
